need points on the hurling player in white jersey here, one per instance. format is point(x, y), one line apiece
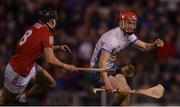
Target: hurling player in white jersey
point(111, 43)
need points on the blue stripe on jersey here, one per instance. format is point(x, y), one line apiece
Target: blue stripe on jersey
point(103, 49)
point(133, 41)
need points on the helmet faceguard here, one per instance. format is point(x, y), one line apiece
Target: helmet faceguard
point(127, 22)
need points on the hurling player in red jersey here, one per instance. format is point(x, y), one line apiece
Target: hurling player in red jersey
point(22, 66)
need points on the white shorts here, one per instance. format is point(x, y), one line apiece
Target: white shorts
point(16, 83)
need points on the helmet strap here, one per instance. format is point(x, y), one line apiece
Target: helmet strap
point(122, 24)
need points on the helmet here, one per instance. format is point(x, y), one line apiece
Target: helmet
point(46, 13)
point(127, 15)
point(127, 21)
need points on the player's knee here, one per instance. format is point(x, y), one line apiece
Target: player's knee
point(120, 98)
point(51, 85)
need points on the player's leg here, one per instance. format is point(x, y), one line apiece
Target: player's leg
point(7, 96)
point(119, 82)
point(44, 82)
point(13, 85)
point(124, 86)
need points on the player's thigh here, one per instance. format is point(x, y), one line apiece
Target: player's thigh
point(119, 82)
point(45, 79)
point(123, 85)
point(7, 96)
point(114, 83)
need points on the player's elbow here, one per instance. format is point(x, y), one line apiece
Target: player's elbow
point(50, 60)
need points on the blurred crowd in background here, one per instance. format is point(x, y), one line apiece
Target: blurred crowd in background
point(80, 23)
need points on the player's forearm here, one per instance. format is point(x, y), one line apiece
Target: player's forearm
point(145, 46)
point(103, 75)
point(56, 62)
point(149, 46)
point(50, 58)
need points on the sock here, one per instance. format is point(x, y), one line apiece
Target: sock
point(22, 98)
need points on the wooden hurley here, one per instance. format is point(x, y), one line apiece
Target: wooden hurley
point(154, 92)
point(96, 69)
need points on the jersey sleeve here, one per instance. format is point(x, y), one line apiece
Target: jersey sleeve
point(47, 40)
point(133, 38)
point(107, 46)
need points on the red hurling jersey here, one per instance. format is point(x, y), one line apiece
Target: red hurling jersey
point(30, 48)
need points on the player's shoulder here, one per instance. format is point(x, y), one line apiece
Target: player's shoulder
point(40, 27)
point(112, 31)
point(111, 34)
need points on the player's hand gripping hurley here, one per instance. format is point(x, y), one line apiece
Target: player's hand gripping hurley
point(154, 92)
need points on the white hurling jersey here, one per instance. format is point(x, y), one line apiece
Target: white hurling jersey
point(112, 41)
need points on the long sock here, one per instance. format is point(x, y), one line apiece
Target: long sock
point(22, 98)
